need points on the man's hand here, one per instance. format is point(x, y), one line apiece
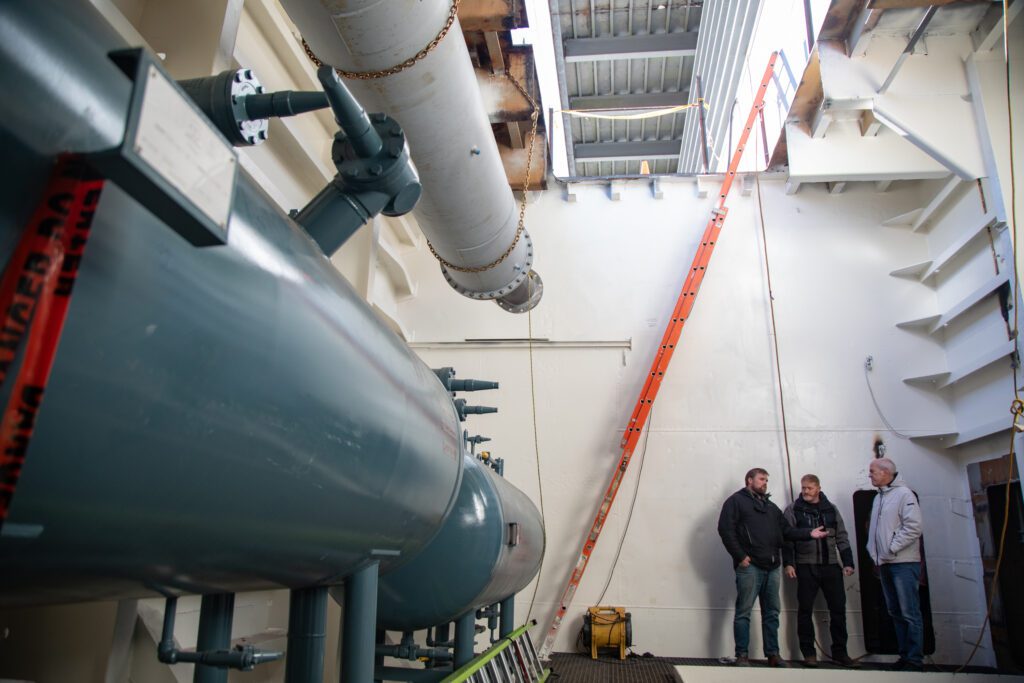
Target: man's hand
point(819, 532)
point(791, 572)
point(847, 571)
point(745, 562)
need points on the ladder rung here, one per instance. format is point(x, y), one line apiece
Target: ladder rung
point(533, 652)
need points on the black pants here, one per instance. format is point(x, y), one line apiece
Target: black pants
point(829, 579)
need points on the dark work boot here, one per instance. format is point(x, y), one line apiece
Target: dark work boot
point(778, 662)
point(845, 660)
point(811, 661)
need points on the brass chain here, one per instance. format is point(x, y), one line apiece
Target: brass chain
point(534, 116)
point(397, 68)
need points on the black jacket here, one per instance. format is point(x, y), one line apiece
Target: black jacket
point(752, 526)
point(804, 515)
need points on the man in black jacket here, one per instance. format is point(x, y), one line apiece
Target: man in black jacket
point(753, 531)
point(819, 564)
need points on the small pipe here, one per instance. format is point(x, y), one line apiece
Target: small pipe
point(331, 217)
point(359, 624)
point(165, 650)
point(472, 385)
point(349, 114)
point(283, 103)
point(442, 635)
point(307, 630)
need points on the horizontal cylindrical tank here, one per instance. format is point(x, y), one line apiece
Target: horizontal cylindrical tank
point(219, 419)
point(489, 548)
point(467, 211)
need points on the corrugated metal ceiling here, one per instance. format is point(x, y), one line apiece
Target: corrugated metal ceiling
point(623, 57)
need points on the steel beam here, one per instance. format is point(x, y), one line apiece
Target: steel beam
point(907, 4)
point(563, 88)
point(909, 49)
point(623, 151)
point(630, 101)
point(631, 47)
point(989, 31)
point(904, 131)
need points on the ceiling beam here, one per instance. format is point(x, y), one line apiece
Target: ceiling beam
point(630, 101)
point(625, 151)
point(631, 47)
point(904, 4)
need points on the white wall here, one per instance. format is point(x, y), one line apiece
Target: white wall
point(612, 271)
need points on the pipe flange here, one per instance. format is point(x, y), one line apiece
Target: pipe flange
point(536, 291)
point(505, 289)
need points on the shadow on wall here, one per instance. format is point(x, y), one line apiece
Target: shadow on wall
point(712, 565)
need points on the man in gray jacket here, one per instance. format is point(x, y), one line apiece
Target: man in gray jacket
point(893, 543)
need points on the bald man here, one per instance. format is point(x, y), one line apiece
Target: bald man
point(894, 545)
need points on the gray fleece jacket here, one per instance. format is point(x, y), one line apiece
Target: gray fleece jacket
point(895, 525)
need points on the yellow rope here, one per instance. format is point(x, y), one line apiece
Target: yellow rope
point(646, 114)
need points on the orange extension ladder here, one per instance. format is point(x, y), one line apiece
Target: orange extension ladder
point(680, 313)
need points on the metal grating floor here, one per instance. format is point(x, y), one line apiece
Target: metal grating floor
point(569, 667)
point(579, 668)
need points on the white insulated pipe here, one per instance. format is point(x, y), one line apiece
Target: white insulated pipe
point(467, 210)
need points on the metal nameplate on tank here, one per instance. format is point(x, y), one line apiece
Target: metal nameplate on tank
point(172, 160)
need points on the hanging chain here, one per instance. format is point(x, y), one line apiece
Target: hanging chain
point(534, 117)
point(397, 68)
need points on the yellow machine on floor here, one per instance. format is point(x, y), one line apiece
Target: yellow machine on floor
point(607, 627)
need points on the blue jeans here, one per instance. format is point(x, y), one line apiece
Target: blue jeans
point(900, 587)
point(753, 582)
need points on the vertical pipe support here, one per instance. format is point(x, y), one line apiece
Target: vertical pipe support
point(465, 635)
point(307, 630)
point(215, 617)
point(508, 616)
point(359, 625)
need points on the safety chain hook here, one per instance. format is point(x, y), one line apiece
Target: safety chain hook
point(453, 14)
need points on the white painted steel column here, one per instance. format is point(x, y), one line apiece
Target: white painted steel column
point(467, 211)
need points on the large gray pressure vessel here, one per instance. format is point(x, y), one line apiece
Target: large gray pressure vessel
point(219, 419)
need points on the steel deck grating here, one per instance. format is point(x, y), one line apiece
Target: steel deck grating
point(580, 668)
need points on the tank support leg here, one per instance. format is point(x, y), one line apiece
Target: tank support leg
point(465, 634)
point(307, 629)
point(507, 613)
point(215, 617)
point(359, 626)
